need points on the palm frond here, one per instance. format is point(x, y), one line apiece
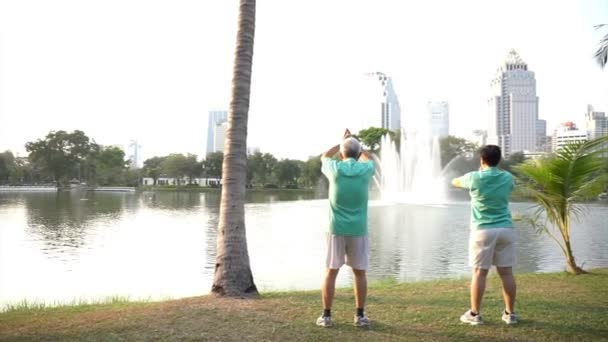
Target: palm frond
point(601, 55)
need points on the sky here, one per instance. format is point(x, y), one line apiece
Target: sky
point(150, 70)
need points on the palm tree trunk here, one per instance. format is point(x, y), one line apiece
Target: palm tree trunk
point(572, 266)
point(233, 275)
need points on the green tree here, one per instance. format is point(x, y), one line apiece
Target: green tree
point(260, 167)
point(513, 160)
point(287, 172)
point(233, 275)
point(111, 166)
point(180, 166)
point(212, 165)
point(372, 136)
point(601, 55)
point(452, 147)
point(575, 173)
point(153, 168)
point(311, 171)
point(7, 166)
point(60, 154)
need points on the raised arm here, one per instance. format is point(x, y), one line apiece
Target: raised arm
point(331, 152)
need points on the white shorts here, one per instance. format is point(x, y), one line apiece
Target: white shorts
point(493, 246)
point(352, 250)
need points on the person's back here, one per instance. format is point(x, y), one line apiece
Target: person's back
point(348, 194)
point(347, 240)
point(490, 190)
point(492, 236)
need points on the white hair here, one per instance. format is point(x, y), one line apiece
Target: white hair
point(350, 148)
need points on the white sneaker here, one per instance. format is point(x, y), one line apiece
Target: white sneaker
point(467, 317)
point(509, 318)
point(362, 321)
point(325, 321)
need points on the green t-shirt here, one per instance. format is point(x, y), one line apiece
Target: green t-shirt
point(490, 190)
point(348, 194)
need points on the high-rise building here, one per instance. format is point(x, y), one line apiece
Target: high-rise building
point(134, 156)
point(390, 110)
point(219, 134)
point(541, 136)
point(216, 117)
point(513, 107)
point(567, 133)
point(439, 116)
point(596, 123)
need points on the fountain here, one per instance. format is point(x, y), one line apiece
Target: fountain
point(411, 173)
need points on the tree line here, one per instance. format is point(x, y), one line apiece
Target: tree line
point(62, 157)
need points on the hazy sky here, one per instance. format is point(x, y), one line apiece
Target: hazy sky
point(151, 70)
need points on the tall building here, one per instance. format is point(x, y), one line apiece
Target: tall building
point(439, 116)
point(513, 107)
point(216, 117)
point(541, 136)
point(219, 134)
point(596, 123)
point(390, 110)
point(134, 156)
point(567, 133)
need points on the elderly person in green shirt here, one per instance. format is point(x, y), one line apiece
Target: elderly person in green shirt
point(347, 240)
point(492, 237)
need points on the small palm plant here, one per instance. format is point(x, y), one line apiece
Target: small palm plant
point(557, 183)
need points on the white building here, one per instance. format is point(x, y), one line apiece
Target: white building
point(219, 134)
point(216, 117)
point(513, 107)
point(181, 181)
point(567, 133)
point(439, 116)
point(384, 98)
point(596, 123)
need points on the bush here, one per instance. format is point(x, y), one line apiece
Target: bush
point(291, 186)
point(270, 186)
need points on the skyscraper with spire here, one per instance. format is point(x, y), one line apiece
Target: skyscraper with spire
point(390, 110)
point(513, 107)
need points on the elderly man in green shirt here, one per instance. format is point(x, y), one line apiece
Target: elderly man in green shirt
point(492, 238)
point(347, 240)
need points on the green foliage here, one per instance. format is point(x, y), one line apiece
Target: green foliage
point(372, 136)
point(287, 171)
point(7, 166)
point(452, 147)
point(180, 166)
point(513, 160)
point(311, 171)
point(153, 168)
point(577, 172)
point(212, 165)
point(260, 168)
point(110, 166)
point(61, 154)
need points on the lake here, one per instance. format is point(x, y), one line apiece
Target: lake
point(66, 246)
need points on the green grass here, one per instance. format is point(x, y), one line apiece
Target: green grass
point(552, 307)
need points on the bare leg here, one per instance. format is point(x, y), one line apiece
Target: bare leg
point(478, 287)
point(360, 288)
point(509, 288)
point(329, 287)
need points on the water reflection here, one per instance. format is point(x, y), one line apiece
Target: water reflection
point(162, 244)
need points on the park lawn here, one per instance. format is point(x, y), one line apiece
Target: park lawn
point(552, 307)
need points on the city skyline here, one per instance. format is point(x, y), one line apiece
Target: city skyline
point(155, 73)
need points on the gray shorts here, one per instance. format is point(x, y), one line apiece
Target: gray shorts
point(495, 246)
point(350, 250)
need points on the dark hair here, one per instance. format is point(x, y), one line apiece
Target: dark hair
point(490, 154)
